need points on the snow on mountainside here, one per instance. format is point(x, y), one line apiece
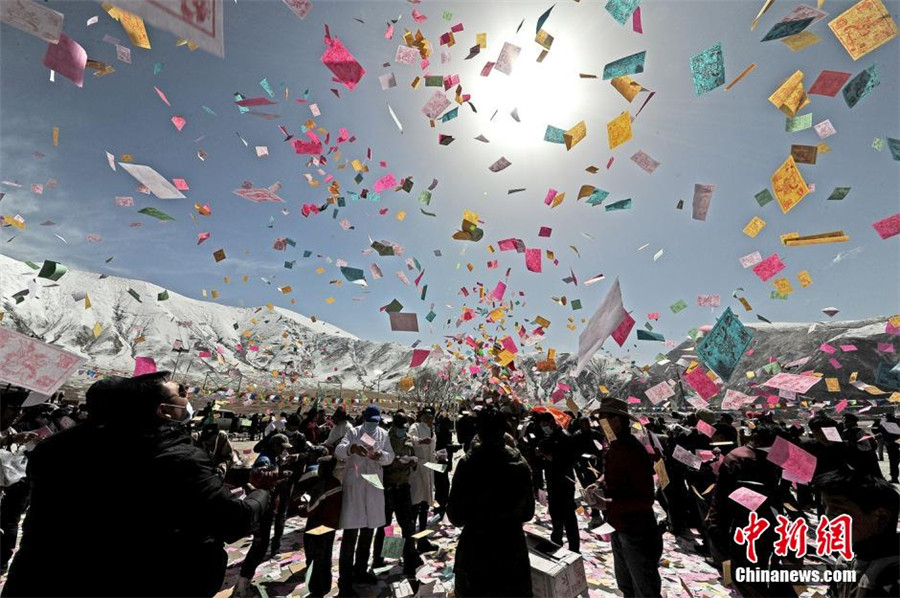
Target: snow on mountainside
point(833, 349)
point(220, 340)
point(256, 341)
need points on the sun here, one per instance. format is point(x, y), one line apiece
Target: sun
point(539, 93)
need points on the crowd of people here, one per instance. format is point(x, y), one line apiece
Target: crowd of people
point(131, 493)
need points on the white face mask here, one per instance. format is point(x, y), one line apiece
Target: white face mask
point(370, 427)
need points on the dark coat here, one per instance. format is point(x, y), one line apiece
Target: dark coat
point(116, 511)
point(490, 498)
point(629, 484)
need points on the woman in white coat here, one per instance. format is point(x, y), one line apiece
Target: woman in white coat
point(421, 481)
point(365, 450)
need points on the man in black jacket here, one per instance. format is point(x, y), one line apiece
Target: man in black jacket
point(490, 498)
point(557, 451)
point(153, 514)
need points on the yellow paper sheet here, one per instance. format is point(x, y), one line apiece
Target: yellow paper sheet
point(833, 384)
point(754, 227)
point(481, 40)
point(783, 285)
point(628, 87)
point(790, 96)
point(801, 40)
point(619, 130)
point(132, 24)
point(788, 185)
point(574, 135)
point(864, 27)
point(804, 278)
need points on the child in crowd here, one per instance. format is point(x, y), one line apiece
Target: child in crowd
point(323, 508)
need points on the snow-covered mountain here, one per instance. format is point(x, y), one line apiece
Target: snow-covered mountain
point(126, 318)
point(131, 321)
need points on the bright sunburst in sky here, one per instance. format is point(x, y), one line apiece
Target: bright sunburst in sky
point(732, 139)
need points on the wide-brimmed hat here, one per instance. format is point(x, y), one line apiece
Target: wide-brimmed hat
point(613, 406)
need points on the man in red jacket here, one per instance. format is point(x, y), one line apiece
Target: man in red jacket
point(628, 502)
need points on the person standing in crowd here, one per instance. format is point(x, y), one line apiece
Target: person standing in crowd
point(873, 506)
point(151, 485)
point(748, 467)
point(341, 426)
point(891, 434)
point(217, 446)
point(443, 445)
point(397, 497)
point(491, 498)
point(589, 458)
point(13, 481)
point(365, 450)
point(322, 508)
point(277, 424)
point(421, 481)
point(557, 450)
point(864, 447)
point(254, 426)
point(267, 473)
point(466, 428)
point(627, 499)
point(529, 440)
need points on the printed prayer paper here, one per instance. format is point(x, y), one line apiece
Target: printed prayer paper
point(341, 62)
point(647, 163)
point(751, 259)
point(769, 267)
point(574, 135)
point(792, 382)
point(700, 382)
point(861, 85)
point(828, 83)
point(33, 364)
point(619, 130)
point(747, 498)
point(792, 459)
point(628, 65)
point(404, 322)
point(801, 41)
point(628, 87)
point(67, 58)
point(33, 18)
point(722, 348)
point(734, 400)
point(508, 55)
point(788, 185)
point(659, 393)
point(205, 29)
point(708, 69)
point(702, 198)
point(790, 97)
point(865, 26)
point(754, 227)
point(888, 227)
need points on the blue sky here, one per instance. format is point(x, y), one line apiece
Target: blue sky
point(734, 140)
